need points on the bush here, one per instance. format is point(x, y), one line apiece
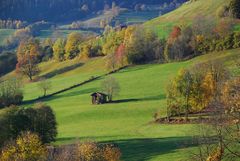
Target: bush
point(10, 93)
point(27, 147)
point(40, 120)
point(90, 151)
point(45, 124)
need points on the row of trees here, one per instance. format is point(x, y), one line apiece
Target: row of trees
point(40, 119)
point(202, 36)
point(12, 24)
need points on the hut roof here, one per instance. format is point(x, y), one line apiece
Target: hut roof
point(95, 93)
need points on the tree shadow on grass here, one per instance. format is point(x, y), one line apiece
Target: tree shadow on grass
point(72, 94)
point(152, 98)
point(62, 70)
point(145, 148)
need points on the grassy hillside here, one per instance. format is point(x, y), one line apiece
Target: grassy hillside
point(126, 122)
point(185, 14)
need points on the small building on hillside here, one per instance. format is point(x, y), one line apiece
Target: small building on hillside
point(99, 98)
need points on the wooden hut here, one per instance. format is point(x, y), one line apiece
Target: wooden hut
point(99, 98)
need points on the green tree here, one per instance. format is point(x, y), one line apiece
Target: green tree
point(58, 49)
point(45, 123)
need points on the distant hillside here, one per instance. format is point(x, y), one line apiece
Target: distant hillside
point(185, 14)
point(66, 10)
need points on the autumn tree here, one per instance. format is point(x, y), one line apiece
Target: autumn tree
point(111, 62)
point(220, 135)
point(121, 56)
point(58, 49)
point(71, 47)
point(184, 87)
point(142, 46)
point(27, 147)
point(28, 58)
point(111, 87)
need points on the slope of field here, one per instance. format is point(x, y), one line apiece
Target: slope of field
point(127, 121)
point(185, 14)
point(5, 33)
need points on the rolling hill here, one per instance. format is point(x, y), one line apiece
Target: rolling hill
point(127, 122)
point(185, 15)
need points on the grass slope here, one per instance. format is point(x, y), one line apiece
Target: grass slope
point(185, 14)
point(126, 122)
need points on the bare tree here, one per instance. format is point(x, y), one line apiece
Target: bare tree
point(111, 87)
point(219, 137)
point(44, 85)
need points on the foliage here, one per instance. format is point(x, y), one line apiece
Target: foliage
point(142, 46)
point(223, 125)
point(45, 123)
point(28, 58)
point(27, 147)
point(40, 120)
point(58, 49)
point(10, 93)
point(111, 87)
point(44, 85)
point(193, 90)
point(71, 47)
point(90, 151)
point(235, 8)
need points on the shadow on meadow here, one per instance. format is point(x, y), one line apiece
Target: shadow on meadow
point(62, 70)
point(145, 148)
point(151, 98)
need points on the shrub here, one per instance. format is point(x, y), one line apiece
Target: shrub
point(45, 123)
point(111, 153)
point(27, 147)
point(89, 151)
point(10, 93)
point(40, 120)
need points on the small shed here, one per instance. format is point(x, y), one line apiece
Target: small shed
point(99, 98)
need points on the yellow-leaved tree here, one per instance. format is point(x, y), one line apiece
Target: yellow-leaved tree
point(27, 147)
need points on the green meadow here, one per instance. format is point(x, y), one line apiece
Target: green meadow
point(185, 15)
point(127, 121)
